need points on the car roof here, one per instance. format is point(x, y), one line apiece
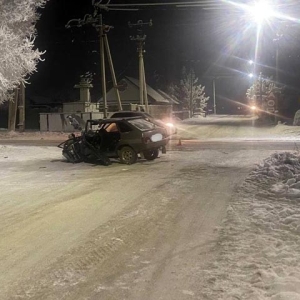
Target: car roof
point(113, 120)
point(131, 112)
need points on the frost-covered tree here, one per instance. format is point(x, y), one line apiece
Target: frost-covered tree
point(18, 58)
point(189, 92)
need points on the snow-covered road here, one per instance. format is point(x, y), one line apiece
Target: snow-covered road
point(149, 231)
point(207, 223)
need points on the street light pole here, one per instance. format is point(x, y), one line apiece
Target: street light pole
point(277, 62)
point(191, 94)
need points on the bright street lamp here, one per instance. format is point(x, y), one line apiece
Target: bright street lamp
point(261, 11)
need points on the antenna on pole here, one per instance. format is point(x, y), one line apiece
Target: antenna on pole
point(140, 40)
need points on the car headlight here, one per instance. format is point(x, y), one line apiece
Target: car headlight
point(156, 137)
point(170, 125)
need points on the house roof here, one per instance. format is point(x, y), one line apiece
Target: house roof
point(150, 91)
point(129, 93)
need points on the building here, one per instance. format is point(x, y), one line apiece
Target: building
point(130, 94)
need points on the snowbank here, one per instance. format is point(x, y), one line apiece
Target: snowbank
point(222, 127)
point(260, 240)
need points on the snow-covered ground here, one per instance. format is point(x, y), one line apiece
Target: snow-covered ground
point(222, 127)
point(259, 241)
point(260, 237)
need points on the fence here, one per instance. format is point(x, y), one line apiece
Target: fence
point(58, 121)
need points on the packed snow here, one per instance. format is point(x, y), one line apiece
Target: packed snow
point(260, 237)
point(259, 241)
point(222, 127)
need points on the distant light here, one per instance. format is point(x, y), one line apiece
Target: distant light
point(251, 75)
point(253, 107)
point(251, 62)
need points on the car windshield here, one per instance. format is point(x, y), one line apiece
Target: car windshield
point(147, 115)
point(142, 124)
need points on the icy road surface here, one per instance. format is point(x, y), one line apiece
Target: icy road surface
point(213, 221)
point(152, 230)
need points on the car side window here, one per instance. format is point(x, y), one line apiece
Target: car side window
point(123, 127)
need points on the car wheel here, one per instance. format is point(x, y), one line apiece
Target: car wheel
point(151, 154)
point(127, 155)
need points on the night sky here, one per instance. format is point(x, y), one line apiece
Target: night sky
point(213, 43)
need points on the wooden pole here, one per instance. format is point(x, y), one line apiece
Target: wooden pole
point(145, 89)
point(112, 70)
point(141, 76)
point(103, 78)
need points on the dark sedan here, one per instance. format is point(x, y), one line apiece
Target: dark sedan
point(123, 138)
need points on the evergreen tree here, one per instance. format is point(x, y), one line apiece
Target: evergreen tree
point(189, 92)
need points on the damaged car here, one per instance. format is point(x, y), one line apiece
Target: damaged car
point(125, 139)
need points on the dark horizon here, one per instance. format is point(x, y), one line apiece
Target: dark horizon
point(204, 41)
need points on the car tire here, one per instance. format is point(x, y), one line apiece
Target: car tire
point(151, 154)
point(127, 155)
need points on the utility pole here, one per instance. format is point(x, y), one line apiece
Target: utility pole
point(140, 39)
point(276, 41)
point(96, 21)
point(102, 60)
point(112, 71)
point(214, 78)
point(145, 92)
point(260, 80)
point(191, 94)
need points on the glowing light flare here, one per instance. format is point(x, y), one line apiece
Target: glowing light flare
point(253, 107)
point(260, 11)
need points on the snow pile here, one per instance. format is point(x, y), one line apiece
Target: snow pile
point(286, 168)
point(258, 251)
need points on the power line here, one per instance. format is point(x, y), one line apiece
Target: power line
point(157, 3)
point(204, 4)
point(180, 4)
